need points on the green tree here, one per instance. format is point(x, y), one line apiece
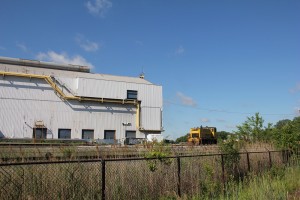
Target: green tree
point(223, 135)
point(182, 138)
point(281, 123)
point(230, 148)
point(296, 122)
point(252, 129)
point(287, 136)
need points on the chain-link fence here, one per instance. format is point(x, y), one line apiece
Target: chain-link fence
point(138, 178)
point(51, 181)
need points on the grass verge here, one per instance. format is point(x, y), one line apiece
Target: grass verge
point(277, 183)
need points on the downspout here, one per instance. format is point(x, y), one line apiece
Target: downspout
point(138, 115)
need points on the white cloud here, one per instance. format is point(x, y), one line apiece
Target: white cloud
point(295, 89)
point(22, 46)
point(180, 50)
point(205, 120)
point(86, 44)
point(185, 100)
point(98, 7)
point(63, 58)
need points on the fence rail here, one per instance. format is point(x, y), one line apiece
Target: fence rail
point(134, 178)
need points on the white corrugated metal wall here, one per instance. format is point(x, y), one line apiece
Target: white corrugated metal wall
point(29, 100)
point(24, 101)
point(149, 94)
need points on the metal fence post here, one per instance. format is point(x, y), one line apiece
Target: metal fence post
point(284, 156)
point(103, 179)
point(223, 173)
point(270, 159)
point(178, 176)
point(287, 157)
point(248, 162)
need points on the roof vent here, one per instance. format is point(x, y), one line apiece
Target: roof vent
point(142, 75)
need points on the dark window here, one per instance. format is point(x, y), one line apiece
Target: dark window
point(109, 134)
point(87, 134)
point(39, 133)
point(64, 133)
point(132, 94)
point(130, 134)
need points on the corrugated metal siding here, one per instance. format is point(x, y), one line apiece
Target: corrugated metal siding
point(27, 100)
point(69, 83)
point(26, 89)
point(24, 100)
point(151, 118)
point(101, 88)
point(150, 95)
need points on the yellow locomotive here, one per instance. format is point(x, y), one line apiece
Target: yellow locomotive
point(203, 135)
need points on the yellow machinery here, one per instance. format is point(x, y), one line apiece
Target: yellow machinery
point(203, 135)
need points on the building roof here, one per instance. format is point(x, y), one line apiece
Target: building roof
point(55, 69)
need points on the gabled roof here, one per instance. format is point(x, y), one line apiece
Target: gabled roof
point(54, 69)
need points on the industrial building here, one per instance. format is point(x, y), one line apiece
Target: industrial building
point(45, 100)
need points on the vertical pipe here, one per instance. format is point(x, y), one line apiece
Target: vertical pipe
point(138, 115)
point(103, 179)
point(178, 176)
point(223, 173)
point(248, 162)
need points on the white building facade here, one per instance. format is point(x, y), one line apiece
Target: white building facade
point(52, 101)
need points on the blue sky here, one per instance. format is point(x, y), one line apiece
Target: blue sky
point(218, 61)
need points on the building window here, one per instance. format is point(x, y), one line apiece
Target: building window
point(39, 133)
point(64, 133)
point(130, 134)
point(132, 94)
point(109, 134)
point(87, 134)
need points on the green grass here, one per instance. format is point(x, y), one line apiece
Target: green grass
point(274, 184)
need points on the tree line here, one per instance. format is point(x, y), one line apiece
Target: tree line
point(284, 134)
